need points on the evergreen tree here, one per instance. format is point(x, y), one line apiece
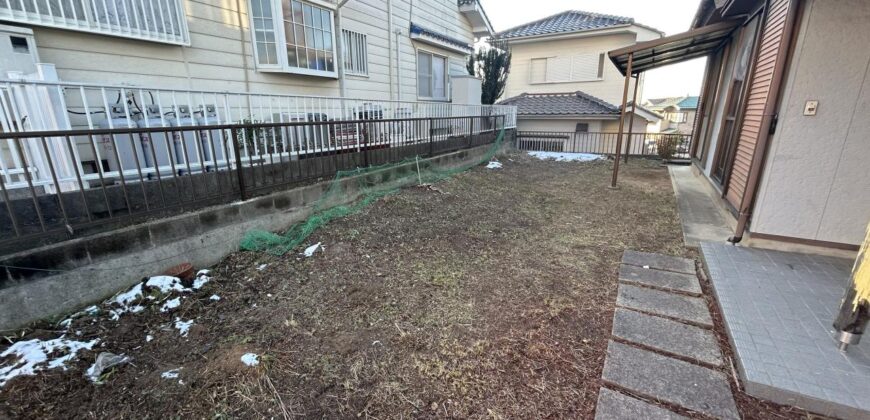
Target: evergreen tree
point(491, 63)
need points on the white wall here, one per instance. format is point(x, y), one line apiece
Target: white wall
point(565, 126)
point(816, 184)
point(220, 55)
point(609, 88)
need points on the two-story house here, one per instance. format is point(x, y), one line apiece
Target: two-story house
point(678, 113)
point(561, 79)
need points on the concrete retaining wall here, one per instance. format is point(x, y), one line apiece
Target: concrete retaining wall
point(79, 272)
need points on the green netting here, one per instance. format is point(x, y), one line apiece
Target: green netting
point(367, 185)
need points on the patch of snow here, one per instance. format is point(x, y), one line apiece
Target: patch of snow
point(646, 267)
point(200, 281)
point(312, 249)
point(166, 284)
point(203, 272)
point(566, 157)
point(250, 359)
point(214, 298)
point(170, 304)
point(183, 327)
point(148, 338)
point(262, 267)
point(494, 165)
point(32, 356)
point(170, 374)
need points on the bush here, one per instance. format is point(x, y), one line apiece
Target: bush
point(666, 147)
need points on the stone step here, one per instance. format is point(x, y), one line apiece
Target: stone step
point(669, 280)
point(658, 261)
point(667, 379)
point(613, 405)
point(685, 308)
point(667, 335)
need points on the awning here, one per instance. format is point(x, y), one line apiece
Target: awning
point(675, 48)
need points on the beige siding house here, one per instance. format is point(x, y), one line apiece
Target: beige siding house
point(257, 46)
point(566, 54)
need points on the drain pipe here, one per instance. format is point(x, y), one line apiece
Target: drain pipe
point(339, 49)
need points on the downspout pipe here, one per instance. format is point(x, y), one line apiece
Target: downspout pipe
point(339, 49)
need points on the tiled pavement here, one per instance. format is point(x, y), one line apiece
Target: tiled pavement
point(659, 351)
point(778, 308)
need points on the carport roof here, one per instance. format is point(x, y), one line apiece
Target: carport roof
point(673, 49)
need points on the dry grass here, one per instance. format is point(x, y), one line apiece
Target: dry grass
point(490, 297)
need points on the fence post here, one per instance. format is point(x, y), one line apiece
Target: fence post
point(237, 151)
point(470, 131)
point(431, 138)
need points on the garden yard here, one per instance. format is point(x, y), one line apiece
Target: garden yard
point(488, 295)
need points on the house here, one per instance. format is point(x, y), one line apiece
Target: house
point(678, 113)
point(126, 63)
point(782, 127)
point(560, 78)
point(396, 49)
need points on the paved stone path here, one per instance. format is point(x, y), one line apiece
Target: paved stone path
point(660, 350)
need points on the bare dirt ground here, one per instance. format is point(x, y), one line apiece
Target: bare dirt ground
point(490, 296)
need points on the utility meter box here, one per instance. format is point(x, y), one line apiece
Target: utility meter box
point(18, 52)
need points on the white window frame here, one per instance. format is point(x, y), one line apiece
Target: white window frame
point(547, 61)
point(446, 58)
point(283, 66)
point(357, 52)
point(133, 25)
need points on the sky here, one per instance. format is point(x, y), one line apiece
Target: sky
point(670, 16)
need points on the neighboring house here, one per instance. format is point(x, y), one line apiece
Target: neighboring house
point(678, 113)
point(394, 49)
point(782, 136)
point(105, 64)
point(560, 74)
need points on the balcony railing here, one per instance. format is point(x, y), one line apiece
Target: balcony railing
point(28, 106)
point(665, 146)
point(150, 20)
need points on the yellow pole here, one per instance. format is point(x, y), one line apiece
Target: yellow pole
point(855, 307)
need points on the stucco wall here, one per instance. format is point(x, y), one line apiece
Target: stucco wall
point(609, 88)
point(220, 55)
point(556, 125)
point(816, 184)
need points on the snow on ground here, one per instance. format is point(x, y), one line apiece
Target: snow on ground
point(250, 359)
point(262, 267)
point(311, 249)
point(32, 356)
point(566, 157)
point(214, 298)
point(170, 304)
point(124, 302)
point(183, 327)
point(170, 374)
point(494, 165)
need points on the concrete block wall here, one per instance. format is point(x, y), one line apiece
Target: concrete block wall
point(79, 272)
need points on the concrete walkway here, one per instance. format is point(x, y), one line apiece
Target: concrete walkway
point(778, 309)
point(662, 348)
point(703, 220)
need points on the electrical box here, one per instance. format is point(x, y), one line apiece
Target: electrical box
point(811, 108)
point(18, 52)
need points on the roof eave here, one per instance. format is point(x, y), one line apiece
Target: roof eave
point(571, 34)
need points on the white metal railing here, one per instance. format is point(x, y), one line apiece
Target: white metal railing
point(28, 106)
point(150, 20)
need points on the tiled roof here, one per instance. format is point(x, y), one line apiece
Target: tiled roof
point(690, 102)
point(572, 103)
point(567, 21)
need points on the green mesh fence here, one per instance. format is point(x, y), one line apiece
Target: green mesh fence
point(368, 186)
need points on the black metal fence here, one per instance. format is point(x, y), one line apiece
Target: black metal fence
point(665, 146)
point(147, 173)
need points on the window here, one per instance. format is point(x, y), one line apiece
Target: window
point(355, 53)
point(677, 117)
point(576, 68)
point(582, 128)
point(19, 44)
point(150, 20)
point(431, 76)
point(293, 36)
